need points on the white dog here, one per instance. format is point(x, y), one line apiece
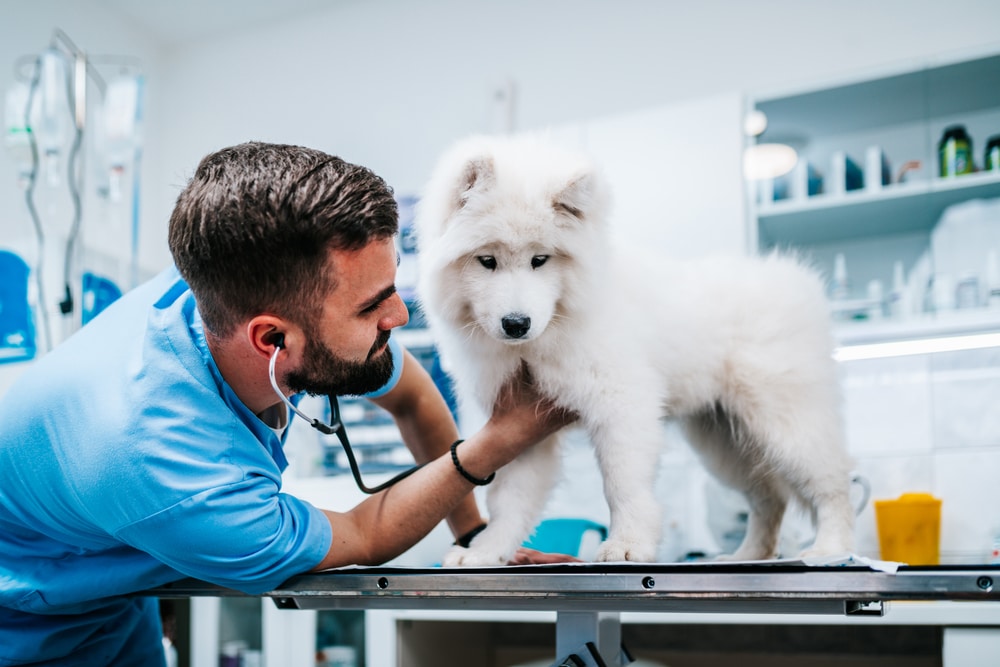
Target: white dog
point(516, 266)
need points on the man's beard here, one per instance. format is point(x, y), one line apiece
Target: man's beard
point(324, 373)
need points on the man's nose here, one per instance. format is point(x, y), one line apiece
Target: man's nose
point(399, 315)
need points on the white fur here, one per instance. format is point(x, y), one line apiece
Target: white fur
point(737, 348)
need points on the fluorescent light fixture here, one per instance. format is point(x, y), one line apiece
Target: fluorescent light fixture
point(762, 161)
point(902, 348)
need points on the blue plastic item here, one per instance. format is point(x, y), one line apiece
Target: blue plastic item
point(98, 294)
point(17, 334)
point(563, 536)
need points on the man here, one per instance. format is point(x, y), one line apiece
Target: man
point(148, 446)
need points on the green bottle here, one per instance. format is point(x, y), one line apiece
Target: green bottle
point(991, 158)
point(955, 152)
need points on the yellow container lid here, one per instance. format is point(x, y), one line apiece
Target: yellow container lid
point(912, 499)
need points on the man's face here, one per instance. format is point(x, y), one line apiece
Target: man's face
point(347, 352)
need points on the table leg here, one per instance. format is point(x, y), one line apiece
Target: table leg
point(601, 629)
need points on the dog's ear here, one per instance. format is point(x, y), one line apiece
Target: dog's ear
point(477, 176)
point(578, 197)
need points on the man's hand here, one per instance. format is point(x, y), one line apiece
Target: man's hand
point(523, 415)
point(526, 556)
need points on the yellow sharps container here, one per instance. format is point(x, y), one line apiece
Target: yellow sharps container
point(909, 528)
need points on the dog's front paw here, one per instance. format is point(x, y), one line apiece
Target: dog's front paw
point(463, 557)
point(613, 550)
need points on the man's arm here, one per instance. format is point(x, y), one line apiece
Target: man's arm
point(388, 523)
point(428, 429)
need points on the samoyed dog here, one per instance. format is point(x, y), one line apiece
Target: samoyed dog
point(516, 266)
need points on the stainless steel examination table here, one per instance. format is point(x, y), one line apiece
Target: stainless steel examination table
point(588, 598)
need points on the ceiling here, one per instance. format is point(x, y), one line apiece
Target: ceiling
point(180, 21)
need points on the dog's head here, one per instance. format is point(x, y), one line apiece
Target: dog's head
point(509, 232)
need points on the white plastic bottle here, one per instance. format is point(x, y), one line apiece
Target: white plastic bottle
point(899, 301)
point(992, 280)
point(840, 289)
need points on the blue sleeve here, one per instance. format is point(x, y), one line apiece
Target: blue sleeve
point(244, 535)
point(396, 348)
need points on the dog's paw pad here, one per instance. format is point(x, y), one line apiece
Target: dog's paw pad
point(612, 551)
point(462, 557)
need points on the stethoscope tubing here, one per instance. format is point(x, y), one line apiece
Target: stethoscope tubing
point(335, 427)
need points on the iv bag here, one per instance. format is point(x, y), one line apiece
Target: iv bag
point(122, 128)
point(16, 137)
point(52, 127)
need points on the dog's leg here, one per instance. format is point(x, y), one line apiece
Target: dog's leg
point(628, 449)
point(804, 450)
point(825, 489)
point(767, 509)
point(514, 501)
point(720, 443)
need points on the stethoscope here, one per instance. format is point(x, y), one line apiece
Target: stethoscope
point(335, 427)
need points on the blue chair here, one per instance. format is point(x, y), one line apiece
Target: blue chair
point(563, 535)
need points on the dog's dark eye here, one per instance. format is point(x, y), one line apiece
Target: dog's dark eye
point(538, 260)
point(488, 262)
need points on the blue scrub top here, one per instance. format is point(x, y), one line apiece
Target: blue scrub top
point(127, 462)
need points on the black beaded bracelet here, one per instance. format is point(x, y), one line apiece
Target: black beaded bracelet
point(462, 471)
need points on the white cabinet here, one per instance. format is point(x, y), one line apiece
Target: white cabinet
point(904, 114)
point(952, 634)
point(254, 632)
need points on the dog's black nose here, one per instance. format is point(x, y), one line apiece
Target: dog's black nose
point(516, 325)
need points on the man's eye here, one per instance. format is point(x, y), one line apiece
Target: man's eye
point(538, 260)
point(488, 262)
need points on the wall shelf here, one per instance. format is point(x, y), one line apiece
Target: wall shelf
point(953, 323)
point(904, 113)
point(895, 209)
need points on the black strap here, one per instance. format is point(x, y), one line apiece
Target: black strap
point(466, 540)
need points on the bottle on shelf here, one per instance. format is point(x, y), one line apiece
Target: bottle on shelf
point(877, 172)
point(899, 303)
point(992, 280)
point(840, 289)
point(967, 290)
point(955, 152)
point(991, 155)
point(876, 300)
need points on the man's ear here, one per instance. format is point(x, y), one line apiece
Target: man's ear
point(267, 333)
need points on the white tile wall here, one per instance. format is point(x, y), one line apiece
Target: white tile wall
point(966, 481)
point(887, 406)
point(930, 423)
point(966, 398)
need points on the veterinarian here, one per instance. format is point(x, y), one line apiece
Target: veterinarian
point(148, 446)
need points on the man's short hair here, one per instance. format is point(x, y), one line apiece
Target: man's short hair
point(253, 229)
